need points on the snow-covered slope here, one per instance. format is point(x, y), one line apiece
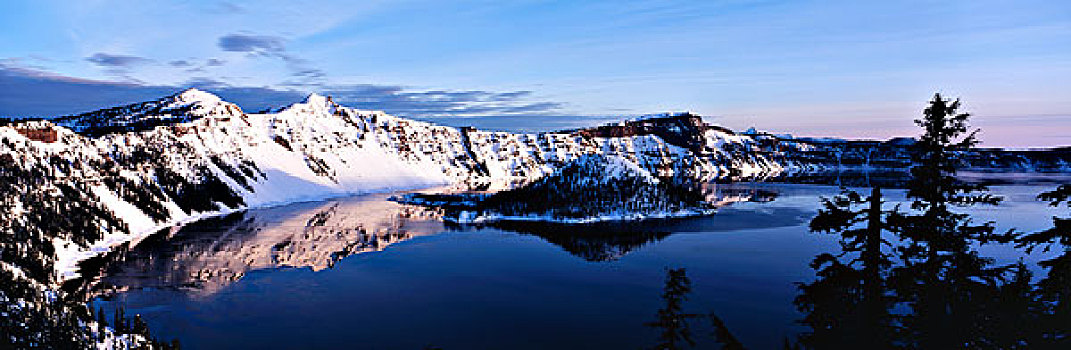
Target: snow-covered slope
point(127, 171)
point(588, 189)
point(76, 186)
point(88, 182)
point(184, 106)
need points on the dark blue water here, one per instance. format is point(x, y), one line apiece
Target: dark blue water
point(365, 273)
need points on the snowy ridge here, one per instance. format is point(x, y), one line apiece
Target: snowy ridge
point(192, 155)
point(468, 217)
point(119, 174)
point(185, 106)
point(591, 188)
point(78, 186)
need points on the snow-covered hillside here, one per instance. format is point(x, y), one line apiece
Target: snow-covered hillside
point(588, 189)
point(76, 186)
point(181, 107)
point(88, 182)
point(199, 156)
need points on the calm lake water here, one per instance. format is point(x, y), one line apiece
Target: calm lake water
point(363, 272)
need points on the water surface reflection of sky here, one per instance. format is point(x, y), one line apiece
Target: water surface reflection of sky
point(408, 282)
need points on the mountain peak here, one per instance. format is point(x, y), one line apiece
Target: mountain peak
point(194, 95)
point(316, 99)
point(187, 105)
point(316, 103)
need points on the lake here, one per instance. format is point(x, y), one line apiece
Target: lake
point(364, 272)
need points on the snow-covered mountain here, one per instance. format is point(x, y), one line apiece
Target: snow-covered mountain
point(181, 107)
point(591, 188)
point(76, 186)
point(895, 154)
point(85, 183)
point(118, 174)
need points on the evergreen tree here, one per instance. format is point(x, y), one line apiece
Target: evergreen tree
point(672, 320)
point(943, 280)
point(848, 306)
point(931, 289)
point(1055, 289)
point(101, 319)
point(139, 326)
point(119, 319)
point(933, 187)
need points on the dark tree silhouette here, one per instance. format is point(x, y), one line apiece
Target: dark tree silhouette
point(946, 284)
point(933, 188)
point(931, 289)
point(1054, 290)
point(848, 306)
point(673, 322)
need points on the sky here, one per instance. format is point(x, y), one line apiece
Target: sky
point(856, 69)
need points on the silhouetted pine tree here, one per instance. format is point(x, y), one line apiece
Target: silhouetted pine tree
point(119, 320)
point(722, 335)
point(848, 305)
point(102, 320)
point(950, 290)
point(934, 188)
point(139, 326)
point(1054, 328)
point(932, 290)
point(673, 321)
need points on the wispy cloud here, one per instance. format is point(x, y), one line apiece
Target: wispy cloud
point(196, 65)
point(34, 92)
point(118, 65)
point(180, 63)
point(302, 74)
point(117, 61)
point(538, 107)
point(229, 7)
point(264, 45)
point(438, 103)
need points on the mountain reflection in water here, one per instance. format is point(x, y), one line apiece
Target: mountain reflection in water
point(929, 261)
point(207, 255)
point(201, 257)
point(204, 256)
point(743, 261)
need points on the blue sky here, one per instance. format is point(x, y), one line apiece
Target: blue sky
point(815, 68)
